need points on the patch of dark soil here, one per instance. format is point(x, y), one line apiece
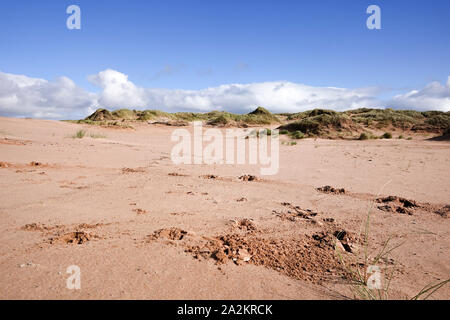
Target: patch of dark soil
point(176, 174)
point(248, 177)
point(397, 204)
point(444, 211)
point(330, 189)
point(210, 176)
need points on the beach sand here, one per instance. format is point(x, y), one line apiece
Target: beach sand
point(140, 227)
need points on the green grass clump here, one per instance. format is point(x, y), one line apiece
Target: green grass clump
point(125, 114)
point(284, 131)
point(363, 136)
point(297, 135)
point(221, 120)
point(152, 114)
point(79, 135)
point(386, 135)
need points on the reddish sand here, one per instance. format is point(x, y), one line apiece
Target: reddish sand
point(140, 227)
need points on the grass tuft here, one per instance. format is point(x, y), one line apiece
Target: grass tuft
point(79, 134)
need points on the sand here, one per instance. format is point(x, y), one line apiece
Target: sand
point(140, 227)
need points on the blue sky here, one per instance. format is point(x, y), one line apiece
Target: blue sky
point(196, 44)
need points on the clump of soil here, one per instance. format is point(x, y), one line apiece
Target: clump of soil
point(295, 212)
point(339, 237)
point(302, 257)
point(444, 211)
point(176, 174)
point(34, 227)
point(140, 211)
point(4, 164)
point(245, 225)
point(248, 177)
point(35, 164)
point(170, 234)
point(89, 226)
point(241, 199)
point(77, 237)
point(132, 170)
point(397, 204)
point(330, 189)
point(209, 176)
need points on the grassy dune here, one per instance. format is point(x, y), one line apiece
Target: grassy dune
point(360, 123)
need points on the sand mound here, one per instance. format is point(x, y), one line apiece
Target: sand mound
point(302, 257)
point(76, 237)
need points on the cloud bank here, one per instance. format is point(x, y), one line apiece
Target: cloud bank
point(32, 97)
point(434, 96)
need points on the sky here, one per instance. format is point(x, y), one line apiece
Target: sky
point(202, 55)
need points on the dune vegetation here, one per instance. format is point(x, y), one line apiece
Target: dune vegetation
point(362, 124)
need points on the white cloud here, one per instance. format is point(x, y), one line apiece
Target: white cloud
point(25, 96)
point(32, 97)
point(278, 96)
point(434, 96)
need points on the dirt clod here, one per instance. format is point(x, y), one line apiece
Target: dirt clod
point(248, 177)
point(245, 225)
point(330, 189)
point(170, 234)
point(397, 204)
point(77, 237)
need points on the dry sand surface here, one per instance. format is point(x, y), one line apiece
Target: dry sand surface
point(140, 227)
